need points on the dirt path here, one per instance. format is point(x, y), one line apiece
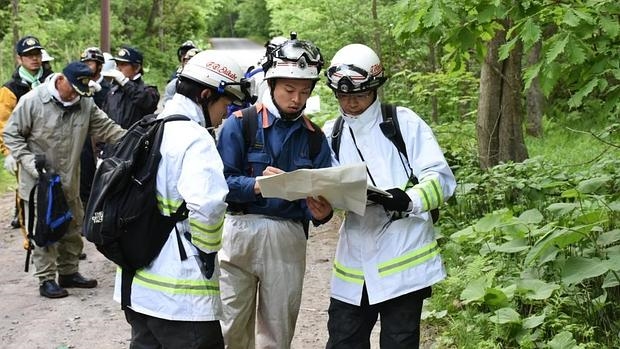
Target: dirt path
point(89, 318)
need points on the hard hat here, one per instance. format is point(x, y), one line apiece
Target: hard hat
point(92, 54)
point(220, 72)
point(45, 57)
point(355, 68)
point(294, 59)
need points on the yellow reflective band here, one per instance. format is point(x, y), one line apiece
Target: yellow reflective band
point(207, 237)
point(176, 286)
point(168, 206)
point(424, 197)
point(409, 260)
point(438, 192)
point(355, 276)
point(430, 193)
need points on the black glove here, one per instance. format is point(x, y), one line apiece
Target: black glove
point(207, 263)
point(398, 202)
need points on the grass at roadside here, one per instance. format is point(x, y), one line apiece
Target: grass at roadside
point(7, 181)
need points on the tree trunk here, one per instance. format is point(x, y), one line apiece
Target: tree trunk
point(432, 61)
point(511, 143)
point(500, 114)
point(534, 97)
point(487, 125)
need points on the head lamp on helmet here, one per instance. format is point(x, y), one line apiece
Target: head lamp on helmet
point(294, 59)
point(355, 68)
point(92, 54)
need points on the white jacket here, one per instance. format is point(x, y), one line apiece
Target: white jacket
point(394, 257)
point(190, 170)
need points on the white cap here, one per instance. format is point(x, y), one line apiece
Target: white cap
point(109, 63)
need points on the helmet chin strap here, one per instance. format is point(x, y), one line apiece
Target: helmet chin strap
point(204, 104)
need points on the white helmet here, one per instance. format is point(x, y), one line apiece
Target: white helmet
point(273, 43)
point(294, 59)
point(355, 68)
point(219, 71)
point(45, 57)
point(108, 62)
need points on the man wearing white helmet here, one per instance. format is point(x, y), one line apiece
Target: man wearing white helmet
point(264, 245)
point(175, 301)
point(386, 260)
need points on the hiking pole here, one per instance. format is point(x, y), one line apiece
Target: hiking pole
point(28, 253)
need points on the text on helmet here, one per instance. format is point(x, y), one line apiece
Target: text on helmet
point(221, 69)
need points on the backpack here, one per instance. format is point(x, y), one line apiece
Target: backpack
point(53, 215)
point(122, 218)
point(391, 130)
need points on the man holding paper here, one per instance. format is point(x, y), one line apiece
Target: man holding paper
point(263, 255)
point(386, 259)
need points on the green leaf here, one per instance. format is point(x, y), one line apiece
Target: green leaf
point(563, 340)
point(593, 185)
point(530, 74)
point(571, 19)
point(610, 280)
point(557, 47)
point(495, 298)
point(504, 50)
point(532, 216)
point(536, 289)
point(576, 100)
point(562, 208)
point(609, 25)
point(513, 246)
point(490, 221)
point(577, 269)
point(530, 33)
point(433, 18)
point(474, 291)
point(505, 316)
point(533, 321)
point(464, 234)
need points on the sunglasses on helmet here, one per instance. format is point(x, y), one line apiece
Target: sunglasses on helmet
point(294, 50)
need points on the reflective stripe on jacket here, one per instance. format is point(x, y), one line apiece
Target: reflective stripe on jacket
point(392, 257)
point(190, 170)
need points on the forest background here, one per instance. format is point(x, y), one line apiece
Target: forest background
point(523, 96)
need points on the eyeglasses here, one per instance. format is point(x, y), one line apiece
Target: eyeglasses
point(353, 97)
point(293, 50)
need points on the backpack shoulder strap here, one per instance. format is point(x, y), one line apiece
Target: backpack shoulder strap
point(388, 112)
point(335, 136)
point(250, 125)
point(315, 138)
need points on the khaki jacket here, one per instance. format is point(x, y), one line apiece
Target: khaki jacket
point(40, 125)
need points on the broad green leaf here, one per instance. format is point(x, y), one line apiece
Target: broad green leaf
point(563, 340)
point(433, 18)
point(570, 18)
point(610, 280)
point(530, 74)
point(557, 47)
point(504, 316)
point(575, 53)
point(463, 234)
point(576, 100)
point(530, 33)
point(571, 193)
point(609, 25)
point(562, 208)
point(495, 298)
point(577, 269)
point(557, 239)
point(474, 291)
point(513, 246)
point(536, 289)
point(504, 50)
point(614, 206)
point(491, 221)
point(593, 185)
point(533, 321)
point(532, 216)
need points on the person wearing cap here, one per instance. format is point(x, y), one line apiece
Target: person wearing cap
point(94, 58)
point(29, 74)
point(171, 87)
point(181, 52)
point(175, 301)
point(129, 98)
point(263, 255)
point(54, 119)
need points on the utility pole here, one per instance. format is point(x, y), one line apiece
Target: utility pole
point(105, 25)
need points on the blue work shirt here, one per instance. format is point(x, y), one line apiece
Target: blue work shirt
point(285, 145)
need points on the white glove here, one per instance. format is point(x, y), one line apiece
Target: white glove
point(117, 75)
point(10, 165)
point(94, 86)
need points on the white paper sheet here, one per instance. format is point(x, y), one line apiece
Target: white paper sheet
point(343, 186)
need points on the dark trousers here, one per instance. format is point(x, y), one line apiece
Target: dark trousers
point(350, 325)
point(148, 332)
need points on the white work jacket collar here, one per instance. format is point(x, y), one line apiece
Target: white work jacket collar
point(180, 104)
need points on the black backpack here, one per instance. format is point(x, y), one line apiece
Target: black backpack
point(391, 130)
point(122, 218)
point(53, 215)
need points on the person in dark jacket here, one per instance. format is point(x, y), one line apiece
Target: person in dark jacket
point(29, 74)
point(93, 57)
point(129, 98)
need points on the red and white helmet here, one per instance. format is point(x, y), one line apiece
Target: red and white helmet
point(294, 59)
point(220, 72)
point(355, 68)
